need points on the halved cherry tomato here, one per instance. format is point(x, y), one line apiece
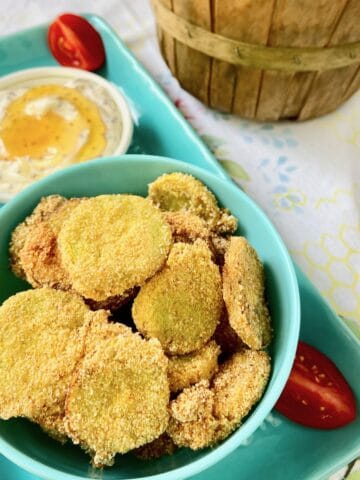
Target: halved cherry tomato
point(74, 42)
point(316, 394)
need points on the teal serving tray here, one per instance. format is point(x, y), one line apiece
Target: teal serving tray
point(279, 449)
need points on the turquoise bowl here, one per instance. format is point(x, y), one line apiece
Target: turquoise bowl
point(24, 443)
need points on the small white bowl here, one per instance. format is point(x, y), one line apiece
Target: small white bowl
point(36, 76)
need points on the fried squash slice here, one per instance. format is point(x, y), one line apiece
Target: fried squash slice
point(244, 289)
point(119, 396)
point(113, 243)
point(181, 305)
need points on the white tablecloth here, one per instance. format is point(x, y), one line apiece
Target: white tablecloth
point(306, 176)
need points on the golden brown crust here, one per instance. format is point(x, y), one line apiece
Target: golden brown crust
point(243, 289)
point(119, 396)
point(40, 258)
point(96, 381)
point(180, 192)
point(33, 249)
point(187, 227)
point(239, 384)
point(113, 243)
point(181, 305)
point(185, 370)
point(42, 334)
point(226, 223)
point(204, 414)
point(192, 422)
point(35, 255)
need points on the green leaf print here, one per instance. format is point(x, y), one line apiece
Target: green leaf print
point(234, 169)
point(212, 142)
point(216, 146)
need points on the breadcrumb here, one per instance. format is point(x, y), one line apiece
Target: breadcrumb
point(239, 384)
point(181, 305)
point(226, 223)
point(113, 243)
point(180, 192)
point(186, 227)
point(192, 422)
point(34, 253)
point(243, 289)
point(198, 300)
point(204, 414)
point(41, 335)
point(185, 370)
point(119, 396)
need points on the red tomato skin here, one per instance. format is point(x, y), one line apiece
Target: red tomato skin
point(316, 394)
point(74, 42)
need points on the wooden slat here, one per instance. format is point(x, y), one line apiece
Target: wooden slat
point(296, 93)
point(246, 21)
point(222, 85)
point(353, 86)
point(331, 88)
point(167, 43)
point(193, 68)
point(296, 23)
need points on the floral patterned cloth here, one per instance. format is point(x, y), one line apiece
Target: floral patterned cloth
point(305, 176)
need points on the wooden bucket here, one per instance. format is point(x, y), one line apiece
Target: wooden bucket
point(263, 59)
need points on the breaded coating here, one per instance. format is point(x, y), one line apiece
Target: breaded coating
point(119, 397)
point(35, 256)
point(33, 249)
point(113, 243)
point(41, 335)
point(243, 289)
point(202, 415)
point(181, 305)
point(192, 422)
point(239, 384)
point(165, 267)
point(99, 327)
point(180, 192)
point(186, 227)
point(53, 425)
point(226, 223)
point(185, 370)
point(103, 329)
point(226, 337)
point(159, 447)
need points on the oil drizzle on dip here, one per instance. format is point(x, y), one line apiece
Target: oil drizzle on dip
point(51, 125)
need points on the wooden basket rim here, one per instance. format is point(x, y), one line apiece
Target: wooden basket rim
point(289, 59)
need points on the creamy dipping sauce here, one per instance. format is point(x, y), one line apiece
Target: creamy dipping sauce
point(49, 125)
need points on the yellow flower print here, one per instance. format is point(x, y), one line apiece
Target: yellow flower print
point(345, 126)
